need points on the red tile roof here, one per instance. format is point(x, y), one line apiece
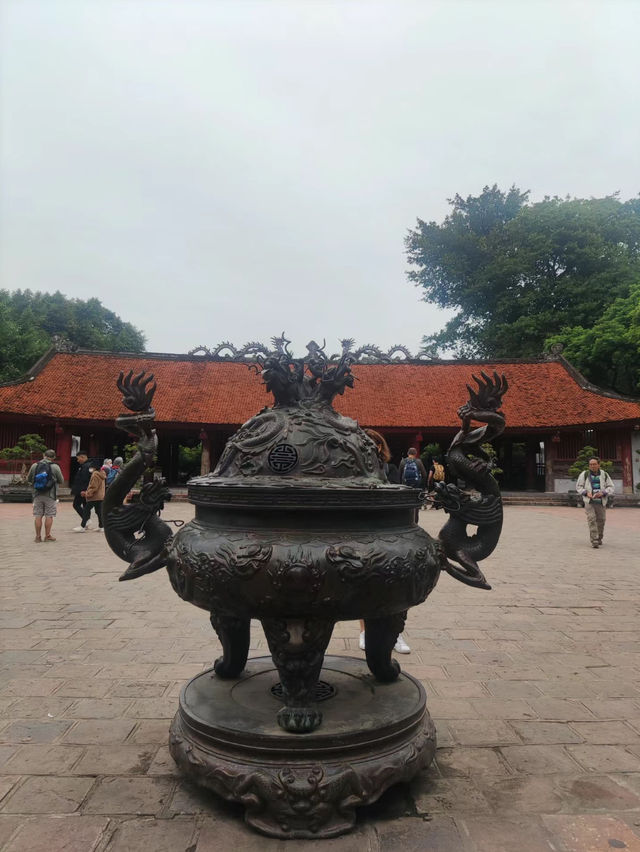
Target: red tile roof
point(81, 386)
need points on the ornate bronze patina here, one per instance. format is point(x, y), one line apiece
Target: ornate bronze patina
point(297, 527)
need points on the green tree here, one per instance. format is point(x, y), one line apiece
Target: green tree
point(28, 322)
point(582, 462)
point(518, 272)
point(608, 352)
point(27, 446)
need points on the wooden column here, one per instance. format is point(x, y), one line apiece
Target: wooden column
point(550, 455)
point(627, 463)
point(205, 463)
point(63, 451)
point(532, 449)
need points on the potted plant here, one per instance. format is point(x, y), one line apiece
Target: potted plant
point(28, 449)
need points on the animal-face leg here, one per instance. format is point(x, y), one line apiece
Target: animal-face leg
point(234, 637)
point(380, 636)
point(297, 647)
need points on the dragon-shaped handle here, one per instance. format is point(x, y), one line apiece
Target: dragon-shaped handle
point(467, 460)
point(134, 531)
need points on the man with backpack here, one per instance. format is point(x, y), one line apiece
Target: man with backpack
point(412, 472)
point(114, 469)
point(596, 486)
point(44, 477)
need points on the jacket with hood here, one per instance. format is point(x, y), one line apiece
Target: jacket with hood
point(96, 488)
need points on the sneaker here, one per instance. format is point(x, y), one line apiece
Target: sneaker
point(595, 544)
point(99, 529)
point(401, 646)
point(79, 529)
point(600, 541)
point(361, 641)
point(89, 526)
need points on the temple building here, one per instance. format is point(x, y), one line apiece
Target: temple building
point(70, 398)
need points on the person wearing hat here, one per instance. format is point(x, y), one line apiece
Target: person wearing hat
point(44, 477)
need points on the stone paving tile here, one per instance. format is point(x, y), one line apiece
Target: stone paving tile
point(538, 759)
point(99, 731)
point(6, 751)
point(456, 689)
point(99, 708)
point(604, 758)
point(607, 733)
point(216, 835)
point(591, 833)
point(36, 687)
point(155, 835)
point(34, 731)
point(163, 763)
point(129, 795)
point(139, 689)
point(7, 783)
point(487, 732)
point(418, 835)
point(9, 824)
point(546, 732)
point(59, 834)
point(521, 794)
point(44, 759)
point(47, 794)
point(462, 761)
point(598, 793)
point(115, 760)
point(49, 706)
point(163, 707)
point(457, 795)
point(151, 731)
point(515, 834)
point(85, 689)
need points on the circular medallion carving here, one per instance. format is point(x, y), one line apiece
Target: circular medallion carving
point(321, 691)
point(283, 458)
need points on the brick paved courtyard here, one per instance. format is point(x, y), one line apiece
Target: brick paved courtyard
point(534, 688)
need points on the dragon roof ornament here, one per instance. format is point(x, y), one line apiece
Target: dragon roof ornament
point(366, 354)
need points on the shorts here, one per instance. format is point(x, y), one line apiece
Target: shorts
point(44, 505)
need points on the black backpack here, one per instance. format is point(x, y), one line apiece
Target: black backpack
point(43, 478)
point(411, 473)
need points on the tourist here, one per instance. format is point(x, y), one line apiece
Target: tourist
point(115, 470)
point(393, 476)
point(80, 482)
point(44, 477)
point(413, 473)
point(94, 496)
point(596, 486)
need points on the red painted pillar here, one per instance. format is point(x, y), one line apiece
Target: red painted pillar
point(551, 453)
point(417, 441)
point(63, 451)
point(627, 463)
point(93, 447)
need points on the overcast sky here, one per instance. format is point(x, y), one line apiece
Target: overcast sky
point(225, 170)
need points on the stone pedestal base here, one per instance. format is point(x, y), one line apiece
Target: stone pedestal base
point(225, 737)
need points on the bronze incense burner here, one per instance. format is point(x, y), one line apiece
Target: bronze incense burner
point(298, 528)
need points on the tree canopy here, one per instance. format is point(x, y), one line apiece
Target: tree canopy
point(608, 353)
point(28, 322)
point(520, 274)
